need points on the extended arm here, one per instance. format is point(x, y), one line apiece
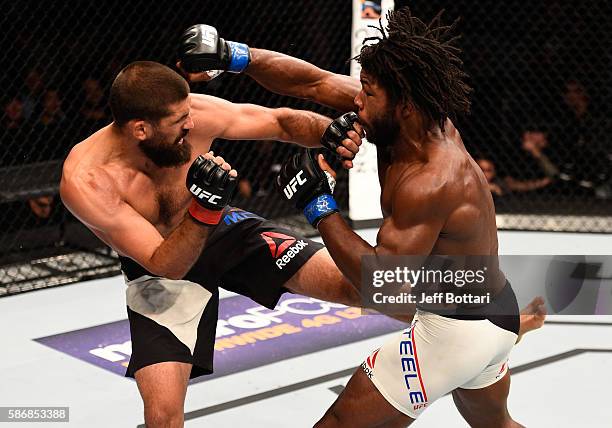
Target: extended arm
point(202, 51)
point(203, 54)
point(294, 77)
point(218, 118)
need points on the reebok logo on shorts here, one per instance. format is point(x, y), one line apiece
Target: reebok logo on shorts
point(283, 247)
point(368, 364)
point(372, 359)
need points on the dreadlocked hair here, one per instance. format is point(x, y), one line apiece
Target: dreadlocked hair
point(418, 63)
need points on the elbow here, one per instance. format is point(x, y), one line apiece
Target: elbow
point(167, 272)
point(161, 265)
point(288, 125)
point(175, 275)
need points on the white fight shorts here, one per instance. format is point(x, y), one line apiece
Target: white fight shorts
point(435, 356)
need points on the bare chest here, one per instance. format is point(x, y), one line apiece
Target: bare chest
point(163, 204)
point(172, 203)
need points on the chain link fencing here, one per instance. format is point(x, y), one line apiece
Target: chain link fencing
point(540, 126)
point(541, 117)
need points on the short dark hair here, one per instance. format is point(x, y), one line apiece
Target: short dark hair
point(418, 63)
point(144, 90)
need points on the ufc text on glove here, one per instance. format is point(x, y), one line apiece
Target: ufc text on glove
point(211, 187)
point(303, 182)
point(201, 49)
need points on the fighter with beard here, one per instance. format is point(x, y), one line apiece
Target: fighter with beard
point(435, 200)
point(141, 185)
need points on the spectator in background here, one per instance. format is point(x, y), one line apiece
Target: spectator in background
point(32, 93)
point(41, 207)
point(13, 117)
point(535, 170)
point(577, 121)
point(576, 98)
point(14, 139)
point(52, 137)
point(92, 114)
point(585, 137)
point(535, 143)
point(14, 132)
point(52, 112)
point(497, 186)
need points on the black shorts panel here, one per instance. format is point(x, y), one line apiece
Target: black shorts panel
point(153, 343)
point(274, 255)
point(245, 254)
point(503, 311)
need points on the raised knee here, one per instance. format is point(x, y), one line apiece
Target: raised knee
point(167, 415)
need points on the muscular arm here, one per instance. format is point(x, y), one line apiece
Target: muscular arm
point(412, 229)
point(95, 202)
point(291, 76)
point(218, 118)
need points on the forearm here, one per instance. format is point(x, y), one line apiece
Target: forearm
point(294, 77)
point(283, 74)
point(345, 247)
point(180, 250)
point(302, 127)
point(276, 72)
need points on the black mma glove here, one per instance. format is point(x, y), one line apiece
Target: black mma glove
point(201, 49)
point(211, 187)
point(303, 182)
point(338, 131)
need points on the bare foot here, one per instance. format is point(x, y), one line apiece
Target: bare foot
point(532, 317)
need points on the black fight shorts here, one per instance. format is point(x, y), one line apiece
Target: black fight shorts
point(175, 320)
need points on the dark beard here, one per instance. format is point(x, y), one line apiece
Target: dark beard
point(166, 155)
point(383, 131)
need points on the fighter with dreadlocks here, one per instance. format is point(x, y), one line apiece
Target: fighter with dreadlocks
point(435, 200)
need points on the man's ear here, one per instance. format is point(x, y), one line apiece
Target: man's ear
point(140, 129)
point(405, 109)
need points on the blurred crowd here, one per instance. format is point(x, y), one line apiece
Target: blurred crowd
point(40, 124)
point(540, 123)
point(569, 155)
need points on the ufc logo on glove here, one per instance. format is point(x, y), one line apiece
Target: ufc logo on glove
point(203, 194)
point(296, 181)
point(209, 38)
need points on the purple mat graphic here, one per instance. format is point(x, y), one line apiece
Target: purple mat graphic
point(248, 335)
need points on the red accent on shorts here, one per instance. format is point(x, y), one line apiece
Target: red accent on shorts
point(416, 358)
point(204, 215)
point(374, 355)
point(275, 250)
